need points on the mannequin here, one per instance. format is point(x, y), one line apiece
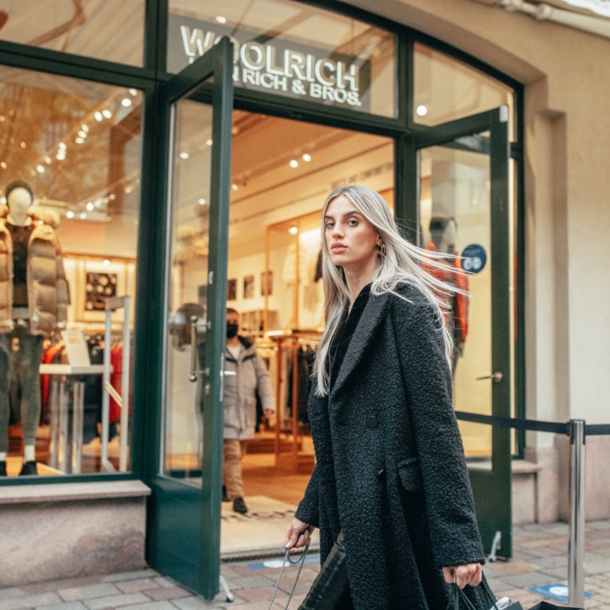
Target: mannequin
point(33, 304)
point(443, 233)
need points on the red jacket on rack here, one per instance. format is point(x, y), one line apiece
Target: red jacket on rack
point(455, 275)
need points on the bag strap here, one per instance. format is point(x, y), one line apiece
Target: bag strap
point(301, 561)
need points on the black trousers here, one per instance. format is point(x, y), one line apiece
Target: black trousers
point(330, 590)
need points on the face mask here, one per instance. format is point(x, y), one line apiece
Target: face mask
point(232, 330)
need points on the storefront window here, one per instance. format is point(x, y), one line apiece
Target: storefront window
point(70, 154)
point(112, 30)
point(291, 49)
point(446, 89)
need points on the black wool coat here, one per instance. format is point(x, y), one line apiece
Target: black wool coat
point(390, 467)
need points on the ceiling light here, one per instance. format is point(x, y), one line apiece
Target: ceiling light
point(98, 116)
point(79, 140)
point(294, 163)
point(234, 186)
point(112, 196)
point(40, 169)
point(22, 144)
point(128, 189)
point(202, 201)
point(3, 165)
point(2, 199)
point(85, 128)
point(293, 230)
point(90, 207)
point(82, 134)
point(306, 157)
point(133, 92)
point(126, 102)
point(47, 159)
point(61, 155)
point(82, 215)
point(422, 110)
point(70, 214)
point(184, 155)
point(221, 19)
point(106, 263)
point(208, 142)
point(62, 146)
point(107, 113)
point(2, 118)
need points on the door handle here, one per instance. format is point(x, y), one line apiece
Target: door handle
point(194, 370)
point(496, 377)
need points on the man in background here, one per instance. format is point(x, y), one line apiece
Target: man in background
point(245, 374)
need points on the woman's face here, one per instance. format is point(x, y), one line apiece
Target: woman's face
point(351, 239)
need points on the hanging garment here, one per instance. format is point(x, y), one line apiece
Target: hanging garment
point(457, 315)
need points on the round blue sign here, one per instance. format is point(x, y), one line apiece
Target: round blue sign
point(474, 258)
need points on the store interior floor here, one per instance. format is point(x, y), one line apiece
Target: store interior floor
point(272, 497)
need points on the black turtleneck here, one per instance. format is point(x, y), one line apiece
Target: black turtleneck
point(345, 330)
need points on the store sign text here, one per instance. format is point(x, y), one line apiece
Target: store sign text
point(289, 69)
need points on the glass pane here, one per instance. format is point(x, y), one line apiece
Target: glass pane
point(75, 148)
point(455, 219)
point(279, 187)
point(112, 30)
point(291, 49)
point(190, 195)
point(446, 89)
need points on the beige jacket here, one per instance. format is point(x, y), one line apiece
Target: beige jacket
point(48, 292)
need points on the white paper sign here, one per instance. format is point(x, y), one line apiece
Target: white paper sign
point(76, 346)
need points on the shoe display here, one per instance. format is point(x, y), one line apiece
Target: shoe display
point(239, 506)
point(225, 498)
point(28, 468)
point(2, 469)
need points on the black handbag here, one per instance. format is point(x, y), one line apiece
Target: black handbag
point(459, 601)
point(540, 606)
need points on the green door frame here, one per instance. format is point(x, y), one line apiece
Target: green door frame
point(184, 521)
point(492, 488)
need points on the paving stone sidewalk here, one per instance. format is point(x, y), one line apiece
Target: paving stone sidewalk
point(540, 557)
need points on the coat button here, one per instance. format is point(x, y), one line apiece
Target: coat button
point(382, 475)
point(371, 421)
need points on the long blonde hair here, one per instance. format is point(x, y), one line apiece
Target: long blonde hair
point(400, 263)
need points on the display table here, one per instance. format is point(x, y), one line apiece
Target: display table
point(58, 399)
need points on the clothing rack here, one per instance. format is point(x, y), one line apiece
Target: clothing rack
point(296, 460)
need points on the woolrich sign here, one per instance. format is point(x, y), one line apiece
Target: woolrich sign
point(271, 64)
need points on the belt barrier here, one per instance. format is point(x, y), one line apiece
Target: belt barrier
point(578, 431)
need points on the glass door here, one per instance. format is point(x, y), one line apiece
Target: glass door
point(464, 211)
point(184, 533)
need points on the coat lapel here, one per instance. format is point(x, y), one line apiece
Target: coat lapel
point(372, 316)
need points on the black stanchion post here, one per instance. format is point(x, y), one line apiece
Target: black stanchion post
point(576, 551)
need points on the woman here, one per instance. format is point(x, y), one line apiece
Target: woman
point(390, 472)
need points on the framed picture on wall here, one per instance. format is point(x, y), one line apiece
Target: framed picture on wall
point(248, 287)
point(268, 276)
point(98, 288)
point(94, 279)
point(232, 290)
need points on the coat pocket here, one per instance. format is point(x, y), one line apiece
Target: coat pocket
point(410, 474)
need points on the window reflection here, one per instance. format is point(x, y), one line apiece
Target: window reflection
point(446, 89)
point(112, 30)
